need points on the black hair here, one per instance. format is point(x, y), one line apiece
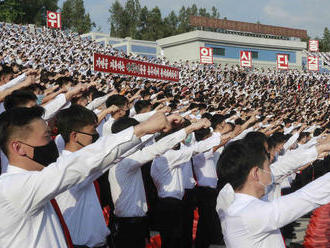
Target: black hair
point(144, 93)
point(97, 94)
point(74, 119)
point(200, 134)
point(236, 162)
point(140, 105)
point(15, 120)
point(317, 132)
point(207, 116)
point(253, 138)
point(216, 120)
point(202, 106)
point(19, 98)
point(239, 121)
point(117, 100)
point(275, 139)
point(122, 124)
point(302, 135)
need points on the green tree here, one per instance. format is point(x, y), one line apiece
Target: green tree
point(325, 41)
point(75, 18)
point(215, 13)
point(141, 23)
point(26, 11)
point(116, 19)
point(170, 24)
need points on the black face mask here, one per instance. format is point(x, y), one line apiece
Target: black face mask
point(95, 137)
point(44, 155)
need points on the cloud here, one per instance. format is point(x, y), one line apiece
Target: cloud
point(310, 15)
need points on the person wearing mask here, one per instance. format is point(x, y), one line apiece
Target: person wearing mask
point(80, 205)
point(29, 214)
point(247, 220)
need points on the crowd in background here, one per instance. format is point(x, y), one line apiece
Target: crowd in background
point(216, 104)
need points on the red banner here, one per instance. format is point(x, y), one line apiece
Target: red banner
point(54, 19)
point(246, 58)
point(206, 55)
point(112, 64)
point(313, 63)
point(282, 61)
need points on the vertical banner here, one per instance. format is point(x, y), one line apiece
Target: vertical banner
point(54, 19)
point(282, 61)
point(313, 46)
point(313, 63)
point(206, 55)
point(246, 59)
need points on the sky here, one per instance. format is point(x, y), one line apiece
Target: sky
point(312, 15)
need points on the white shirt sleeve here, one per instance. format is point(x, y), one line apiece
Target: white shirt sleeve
point(97, 102)
point(13, 82)
point(150, 152)
point(106, 129)
point(291, 161)
point(69, 170)
point(53, 106)
point(291, 141)
point(176, 158)
point(144, 116)
point(286, 209)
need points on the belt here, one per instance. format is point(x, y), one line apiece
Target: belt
point(131, 220)
point(85, 246)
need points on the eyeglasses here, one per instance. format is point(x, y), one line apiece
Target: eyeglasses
point(95, 136)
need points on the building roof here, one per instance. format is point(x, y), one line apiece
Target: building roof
point(199, 21)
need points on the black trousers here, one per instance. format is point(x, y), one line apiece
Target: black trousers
point(189, 205)
point(130, 232)
point(168, 221)
point(209, 227)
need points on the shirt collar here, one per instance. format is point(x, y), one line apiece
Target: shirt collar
point(66, 152)
point(14, 169)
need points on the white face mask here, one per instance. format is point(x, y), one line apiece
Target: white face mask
point(269, 187)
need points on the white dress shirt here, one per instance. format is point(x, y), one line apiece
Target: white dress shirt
point(106, 129)
point(13, 82)
point(144, 116)
point(125, 178)
point(166, 170)
point(60, 143)
point(287, 165)
point(205, 169)
point(253, 223)
point(82, 213)
point(52, 107)
point(97, 102)
point(189, 181)
point(27, 216)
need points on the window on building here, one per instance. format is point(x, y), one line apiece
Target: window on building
point(255, 55)
point(219, 51)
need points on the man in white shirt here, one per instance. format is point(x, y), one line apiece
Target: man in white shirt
point(127, 188)
point(80, 206)
point(167, 174)
point(122, 103)
point(27, 216)
point(246, 220)
point(208, 228)
point(22, 98)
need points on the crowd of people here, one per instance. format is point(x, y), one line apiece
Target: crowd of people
point(90, 159)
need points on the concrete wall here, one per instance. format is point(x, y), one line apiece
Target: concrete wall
point(186, 47)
